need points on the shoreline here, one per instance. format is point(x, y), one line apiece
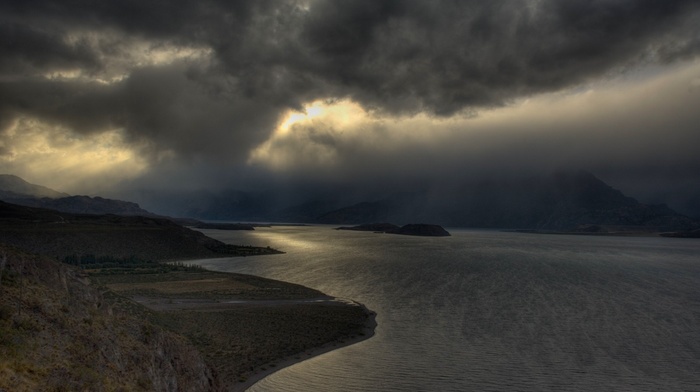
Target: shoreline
point(369, 330)
point(184, 299)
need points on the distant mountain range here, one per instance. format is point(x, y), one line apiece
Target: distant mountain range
point(564, 201)
point(13, 187)
point(15, 190)
point(568, 201)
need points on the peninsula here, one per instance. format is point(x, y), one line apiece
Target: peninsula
point(417, 229)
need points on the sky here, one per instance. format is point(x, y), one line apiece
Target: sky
point(118, 97)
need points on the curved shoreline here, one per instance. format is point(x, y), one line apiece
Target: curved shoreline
point(259, 374)
point(213, 295)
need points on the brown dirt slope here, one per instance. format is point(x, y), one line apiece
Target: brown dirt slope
point(58, 333)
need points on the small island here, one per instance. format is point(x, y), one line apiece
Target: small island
point(683, 234)
point(416, 229)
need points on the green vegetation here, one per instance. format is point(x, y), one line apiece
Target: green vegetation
point(108, 265)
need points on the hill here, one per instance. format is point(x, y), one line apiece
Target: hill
point(15, 190)
point(84, 205)
point(60, 234)
point(13, 187)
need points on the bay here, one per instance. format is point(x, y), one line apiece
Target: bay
point(493, 311)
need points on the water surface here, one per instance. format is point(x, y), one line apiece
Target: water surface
point(493, 311)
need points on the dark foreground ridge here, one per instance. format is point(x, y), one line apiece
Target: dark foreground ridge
point(60, 234)
point(417, 229)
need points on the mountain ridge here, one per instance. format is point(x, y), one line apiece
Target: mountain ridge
point(15, 190)
point(564, 201)
point(12, 186)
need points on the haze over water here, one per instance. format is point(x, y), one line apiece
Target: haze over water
point(485, 310)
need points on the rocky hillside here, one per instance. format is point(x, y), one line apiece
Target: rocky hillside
point(57, 333)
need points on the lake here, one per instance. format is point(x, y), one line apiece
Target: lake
point(493, 311)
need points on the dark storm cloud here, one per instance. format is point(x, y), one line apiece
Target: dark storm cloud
point(26, 47)
point(445, 56)
point(395, 56)
point(207, 81)
point(154, 105)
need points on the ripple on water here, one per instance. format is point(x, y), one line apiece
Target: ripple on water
point(494, 311)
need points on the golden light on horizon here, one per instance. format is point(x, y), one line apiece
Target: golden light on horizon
point(58, 158)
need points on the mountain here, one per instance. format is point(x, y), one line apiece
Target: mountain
point(212, 205)
point(85, 205)
point(13, 187)
point(306, 212)
point(15, 190)
point(566, 201)
point(562, 202)
point(365, 212)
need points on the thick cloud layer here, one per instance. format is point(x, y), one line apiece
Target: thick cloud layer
point(204, 85)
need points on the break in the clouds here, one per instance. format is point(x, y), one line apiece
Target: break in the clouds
point(342, 90)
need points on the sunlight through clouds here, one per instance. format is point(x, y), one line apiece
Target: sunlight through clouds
point(310, 135)
point(341, 133)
